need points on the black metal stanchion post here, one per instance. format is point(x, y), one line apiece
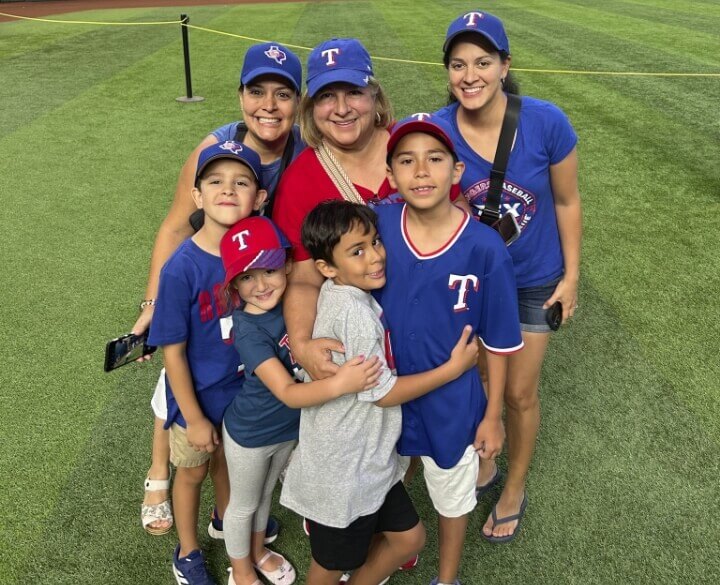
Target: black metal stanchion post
point(189, 97)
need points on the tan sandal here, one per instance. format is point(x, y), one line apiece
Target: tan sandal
point(150, 513)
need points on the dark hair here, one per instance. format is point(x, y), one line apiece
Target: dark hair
point(329, 221)
point(510, 85)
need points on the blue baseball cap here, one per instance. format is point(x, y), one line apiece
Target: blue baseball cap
point(482, 23)
point(422, 122)
point(338, 60)
point(231, 150)
point(271, 59)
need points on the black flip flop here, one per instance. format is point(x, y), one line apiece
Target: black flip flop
point(505, 520)
point(494, 480)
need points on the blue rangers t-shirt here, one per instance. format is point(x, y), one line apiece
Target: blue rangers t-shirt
point(428, 299)
point(189, 308)
point(256, 418)
point(544, 137)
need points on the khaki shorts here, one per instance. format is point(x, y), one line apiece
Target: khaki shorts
point(452, 491)
point(181, 453)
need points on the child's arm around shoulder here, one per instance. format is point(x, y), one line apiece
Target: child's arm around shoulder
point(201, 433)
point(355, 375)
point(463, 357)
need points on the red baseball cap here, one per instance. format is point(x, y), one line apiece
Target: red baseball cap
point(253, 242)
point(425, 123)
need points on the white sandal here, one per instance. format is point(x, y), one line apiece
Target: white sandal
point(283, 575)
point(150, 513)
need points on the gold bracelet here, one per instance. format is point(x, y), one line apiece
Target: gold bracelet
point(147, 303)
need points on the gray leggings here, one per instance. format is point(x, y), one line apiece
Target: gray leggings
point(253, 475)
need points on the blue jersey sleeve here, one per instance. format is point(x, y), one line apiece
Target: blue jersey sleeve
point(253, 344)
point(171, 318)
point(499, 327)
point(559, 134)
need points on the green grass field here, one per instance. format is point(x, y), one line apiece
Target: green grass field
point(625, 485)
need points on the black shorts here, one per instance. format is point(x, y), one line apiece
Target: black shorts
point(345, 549)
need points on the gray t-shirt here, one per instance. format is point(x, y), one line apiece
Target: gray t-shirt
point(346, 460)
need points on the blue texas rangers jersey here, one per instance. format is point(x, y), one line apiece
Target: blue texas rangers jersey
point(190, 309)
point(544, 138)
point(428, 299)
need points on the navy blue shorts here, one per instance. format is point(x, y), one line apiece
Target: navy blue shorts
point(530, 304)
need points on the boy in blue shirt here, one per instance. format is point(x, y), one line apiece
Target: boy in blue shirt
point(203, 370)
point(445, 271)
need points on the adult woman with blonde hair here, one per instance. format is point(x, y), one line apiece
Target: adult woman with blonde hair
point(344, 118)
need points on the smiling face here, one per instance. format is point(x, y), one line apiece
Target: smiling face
point(228, 192)
point(423, 170)
point(475, 74)
point(269, 106)
point(358, 260)
point(345, 114)
point(261, 288)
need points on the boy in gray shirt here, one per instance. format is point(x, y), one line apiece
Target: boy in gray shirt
point(344, 477)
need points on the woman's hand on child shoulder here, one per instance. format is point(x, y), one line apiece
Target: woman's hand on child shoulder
point(465, 353)
point(358, 374)
point(315, 356)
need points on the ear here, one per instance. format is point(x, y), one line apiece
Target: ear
point(288, 266)
point(458, 170)
point(197, 197)
point(391, 177)
point(260, 198)
point(506, 66)
point(327, 270)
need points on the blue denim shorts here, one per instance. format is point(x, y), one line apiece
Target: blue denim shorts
point(530, 304)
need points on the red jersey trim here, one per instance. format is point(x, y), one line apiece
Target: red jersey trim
point(440, 251)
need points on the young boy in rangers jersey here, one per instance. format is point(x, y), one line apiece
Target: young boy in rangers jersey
point(345, 475)
point(445, 271)
point(202, 366)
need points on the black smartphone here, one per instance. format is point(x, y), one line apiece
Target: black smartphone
point(125, 349)
point(508, 228)
point(553, 315)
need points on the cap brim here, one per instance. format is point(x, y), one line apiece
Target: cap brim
point(418, 126)
point(451, 38)
point(266, 259)
point(255, 73)
point(355, 77)
point(229, 156)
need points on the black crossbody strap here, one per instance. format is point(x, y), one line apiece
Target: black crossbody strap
point(287, 158)
point(491, 211)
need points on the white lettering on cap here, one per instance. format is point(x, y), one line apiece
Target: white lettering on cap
point(470, 17)
point(329, 54)
point(240, 238)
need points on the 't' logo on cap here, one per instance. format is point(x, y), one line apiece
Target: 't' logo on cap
point(329, 54)
point(421, 116)
point(240, 239)
point(471, 16)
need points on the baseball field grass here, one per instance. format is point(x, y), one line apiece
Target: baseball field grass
point(625, 484)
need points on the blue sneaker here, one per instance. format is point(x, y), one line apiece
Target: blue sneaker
point(215, 528)
point(435, 581)
point(191, 570)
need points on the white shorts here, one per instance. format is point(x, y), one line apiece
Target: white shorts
point(159, 400)
point(452, 491)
